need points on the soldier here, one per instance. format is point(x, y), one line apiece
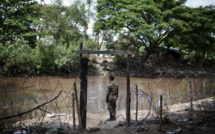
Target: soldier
point(111, 97)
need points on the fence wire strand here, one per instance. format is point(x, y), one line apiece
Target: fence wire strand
point(19, 94)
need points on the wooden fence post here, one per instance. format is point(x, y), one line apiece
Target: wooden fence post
point(77, 105)
point(73, 110)
point(83, 92)
point(81, 48)
point(136, 102)
point(128, 99)
point(191, 97)
point(161, 99)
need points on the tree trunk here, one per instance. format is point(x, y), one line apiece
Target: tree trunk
point(202, 60)
point(145, 58)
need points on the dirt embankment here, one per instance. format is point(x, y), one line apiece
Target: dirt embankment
point(106, 65)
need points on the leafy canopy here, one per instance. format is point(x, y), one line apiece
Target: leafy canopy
point(16, 17)
point(200, 37)
point(148, 22)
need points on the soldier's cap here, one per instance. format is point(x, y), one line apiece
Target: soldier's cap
point(111, 77)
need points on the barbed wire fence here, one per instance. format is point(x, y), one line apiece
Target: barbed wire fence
point(182, 91)
point(45, 102)
point(41, 103)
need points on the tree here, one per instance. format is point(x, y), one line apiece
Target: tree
point(16, 58)
point(199, 38)
point(16, 19)
point(148, 22)
point(104, 38)
point(62, 28)
point(65, 24)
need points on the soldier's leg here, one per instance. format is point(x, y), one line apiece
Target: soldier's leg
point(109, 106)
point(113, 109)
point(110, 110)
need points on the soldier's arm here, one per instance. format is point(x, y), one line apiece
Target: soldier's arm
point(117, 92)
point(107, 93)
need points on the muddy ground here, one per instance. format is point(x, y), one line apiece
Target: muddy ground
point(178, 121)
point(183, 123)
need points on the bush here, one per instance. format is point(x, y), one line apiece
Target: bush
point(120, 62)
point(15, 57)
point(94, 60)
point(45, 59)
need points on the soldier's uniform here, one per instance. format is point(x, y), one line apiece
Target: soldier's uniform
point(111, 97)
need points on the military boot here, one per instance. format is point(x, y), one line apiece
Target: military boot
point(111, 118)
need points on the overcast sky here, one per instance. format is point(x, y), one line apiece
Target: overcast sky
point(191, 3)
point(197, 3)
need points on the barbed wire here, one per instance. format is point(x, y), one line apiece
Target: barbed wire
point(19, 94)
point(187, 85)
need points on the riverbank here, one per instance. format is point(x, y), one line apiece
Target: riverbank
point(179, 120)
point(152, 68)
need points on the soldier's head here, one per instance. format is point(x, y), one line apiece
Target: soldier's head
point(111, 78)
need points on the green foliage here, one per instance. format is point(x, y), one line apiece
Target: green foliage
point(6, 127)
point(199, 38)
point(41, 129)
point(60, 130)
point(145, 24)
point(45, 58)
point(120, 61)
point(165, 111)
point(61, 29)
point(90, 44)
point(16, 19)
point(66, 56)
point(17, 55)
point(140, 25)
point(107, 40)
point(94, 60)
point(2, 126)
point(63, 23)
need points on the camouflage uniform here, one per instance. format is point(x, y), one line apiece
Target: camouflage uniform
point(111, 97)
